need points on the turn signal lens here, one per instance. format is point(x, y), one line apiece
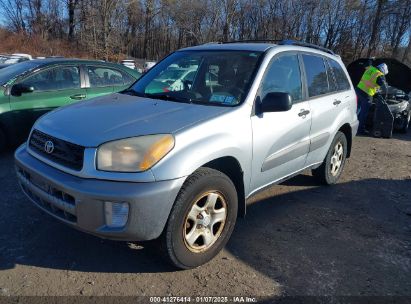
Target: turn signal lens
point(157, 151)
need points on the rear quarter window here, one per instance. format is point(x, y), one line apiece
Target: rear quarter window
point(101, 76)
point(343, 83)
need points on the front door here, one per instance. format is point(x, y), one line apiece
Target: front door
point(280, 139)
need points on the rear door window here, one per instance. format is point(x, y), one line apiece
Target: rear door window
point(317, 80)
point(104, 77)
point(340, 77)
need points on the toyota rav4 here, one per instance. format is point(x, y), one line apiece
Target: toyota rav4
point(178, 163)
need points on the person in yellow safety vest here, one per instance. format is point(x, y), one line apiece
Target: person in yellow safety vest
point(370, 84)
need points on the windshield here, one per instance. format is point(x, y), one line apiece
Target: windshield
point(208, 77)
point(171, 74)
point(15, 70)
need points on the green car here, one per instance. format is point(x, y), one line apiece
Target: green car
point(32, 88)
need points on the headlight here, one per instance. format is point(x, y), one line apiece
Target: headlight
point(134, 154)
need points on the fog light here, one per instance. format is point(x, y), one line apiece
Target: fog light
point(116, 214)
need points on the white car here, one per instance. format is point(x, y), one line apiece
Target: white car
point(29, 57)
point(129, 63)
point(15, 59)
point(148, 65)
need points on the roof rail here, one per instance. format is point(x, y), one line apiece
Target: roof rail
point(253, 40)
point(305, 44)
point(282, 42)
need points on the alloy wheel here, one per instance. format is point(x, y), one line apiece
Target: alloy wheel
point(205, 221)
point(337, 159)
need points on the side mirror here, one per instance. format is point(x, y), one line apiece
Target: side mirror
point(277, 102)
point(21, 88)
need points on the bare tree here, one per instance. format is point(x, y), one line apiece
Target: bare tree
point(71, 6)
point(152, 28)
point(13, 10)
point(375, 30)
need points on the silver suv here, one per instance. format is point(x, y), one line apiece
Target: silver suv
point(178, 163)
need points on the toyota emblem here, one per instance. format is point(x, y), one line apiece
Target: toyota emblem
point(49, 147)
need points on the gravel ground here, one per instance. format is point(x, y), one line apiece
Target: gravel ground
point(298, 238)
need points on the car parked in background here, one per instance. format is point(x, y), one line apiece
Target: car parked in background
point(172, 79)
point(7, 60)
point(32, 88)
point(13, 59)
point(180, 165)
point(3, 57)
point(148, 65)
point(397, 95)
point(27, 56)
point(130, 63)
point(399, 104)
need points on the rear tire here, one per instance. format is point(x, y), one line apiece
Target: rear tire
point(3, 141)
point(330, 170)
point(202, 219)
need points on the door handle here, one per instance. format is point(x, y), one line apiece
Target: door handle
point(78, 96)
point(303, 113)
point(336, 102)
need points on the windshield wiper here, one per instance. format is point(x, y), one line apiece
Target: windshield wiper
point(210, 103)
point(168, 97)
point(132, 92)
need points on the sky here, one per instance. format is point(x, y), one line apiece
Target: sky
point(2, 16)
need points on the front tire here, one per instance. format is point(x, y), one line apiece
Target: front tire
point(330, 170)
point(202, 219)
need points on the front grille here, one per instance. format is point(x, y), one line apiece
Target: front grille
point(48, 197)
point(66, 154)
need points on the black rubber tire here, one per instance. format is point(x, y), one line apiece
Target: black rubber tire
point(3, 142)
point(323, 172)
point(406, 125)
point(376, 133)
point(172, 240)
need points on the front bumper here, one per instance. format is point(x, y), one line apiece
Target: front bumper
point(399, 107)
point(400, 111)
point(79, 202)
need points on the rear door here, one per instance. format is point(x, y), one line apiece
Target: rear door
point(280, 139)
point(53, 87)
point(103, 80)
point(327, 99)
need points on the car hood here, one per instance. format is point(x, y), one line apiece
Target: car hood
point(116, 116)
point(399, 74)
